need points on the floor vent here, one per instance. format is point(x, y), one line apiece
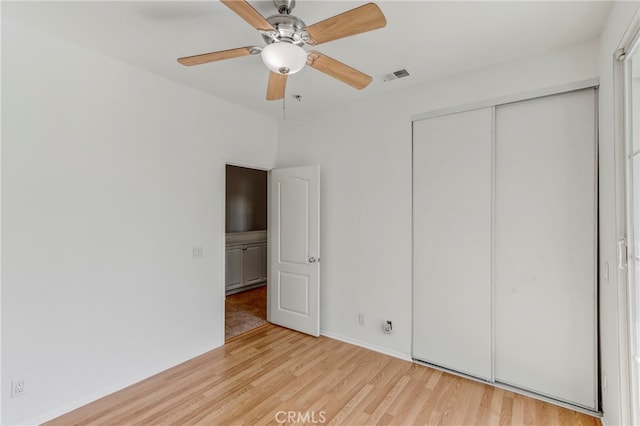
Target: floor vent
point(396, 75)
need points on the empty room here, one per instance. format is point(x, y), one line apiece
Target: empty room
point(320, 212)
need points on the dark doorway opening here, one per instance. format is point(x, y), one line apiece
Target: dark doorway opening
point(246, 250)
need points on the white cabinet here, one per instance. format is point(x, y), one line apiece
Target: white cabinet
point(234, 267)
point(252, 268)
point(246, 258)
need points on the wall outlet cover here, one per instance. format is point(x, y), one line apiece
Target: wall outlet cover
point(17, 388)
point(361, 319)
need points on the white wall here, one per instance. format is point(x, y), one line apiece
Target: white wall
point(615, 396)
point(110, 176)
point(364, 150)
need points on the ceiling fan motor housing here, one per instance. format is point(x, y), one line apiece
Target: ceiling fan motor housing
point(290, 29)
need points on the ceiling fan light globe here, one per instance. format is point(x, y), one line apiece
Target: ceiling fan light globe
point(284, 58)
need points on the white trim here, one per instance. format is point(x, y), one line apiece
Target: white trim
point(532, 94)
point(628, 370)
point(223, 232)
point(400, 355)
point(247, 165)
point(223, 251)
point(493, 243)
point(413, 242)
point(269, 227)
point(66, 408)
point(630, 38)
point(623, 408)
point(596, 253)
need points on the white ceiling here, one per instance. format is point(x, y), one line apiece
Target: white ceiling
point(430, 39)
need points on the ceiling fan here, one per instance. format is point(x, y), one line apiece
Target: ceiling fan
point(286, 34)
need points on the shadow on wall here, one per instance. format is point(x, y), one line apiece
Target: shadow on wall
point(246, 200)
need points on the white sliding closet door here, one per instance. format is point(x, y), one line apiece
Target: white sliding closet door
point(545, 246)
point(452, 178)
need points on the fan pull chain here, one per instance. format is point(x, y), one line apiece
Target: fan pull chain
point(284, 110)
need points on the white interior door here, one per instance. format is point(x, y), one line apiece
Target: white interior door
point(294, 290)
point(452, 181)
point(545, 246)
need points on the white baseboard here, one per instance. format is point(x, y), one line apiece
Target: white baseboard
point(375, 348)
point(59, 411)
point(67, 408)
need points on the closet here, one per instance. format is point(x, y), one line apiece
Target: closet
point(505, 248)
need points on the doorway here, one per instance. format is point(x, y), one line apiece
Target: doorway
point(245, 250)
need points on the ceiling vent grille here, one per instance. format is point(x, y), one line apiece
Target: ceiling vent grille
point(396, 75)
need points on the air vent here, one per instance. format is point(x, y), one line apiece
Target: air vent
point(396, 75)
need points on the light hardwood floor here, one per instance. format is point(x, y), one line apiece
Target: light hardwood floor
point(261, 376)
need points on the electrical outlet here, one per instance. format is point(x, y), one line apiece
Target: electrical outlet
point(388, 326)
point(361, 319)
point(17, 388)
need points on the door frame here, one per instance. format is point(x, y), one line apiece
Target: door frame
point(630, 408)
point(223, 232)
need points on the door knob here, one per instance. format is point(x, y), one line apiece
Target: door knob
point(312, 260)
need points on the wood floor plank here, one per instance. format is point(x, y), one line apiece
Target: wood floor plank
point(517, 411)
point(265, 376)
point(408, 402)
point(506, 417)
point(485, 410)
point(529, 412)
point(381, 412)
point(407, 411)
point(468, 412)
point(351, 405)
point(384, 381)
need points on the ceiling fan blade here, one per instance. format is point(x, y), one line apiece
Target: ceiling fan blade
point(249, 14)
point(355, 21)
point(277, 86)
point(216, 56)
point(338, 70)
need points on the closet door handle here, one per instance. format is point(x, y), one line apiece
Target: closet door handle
point(312, 260)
